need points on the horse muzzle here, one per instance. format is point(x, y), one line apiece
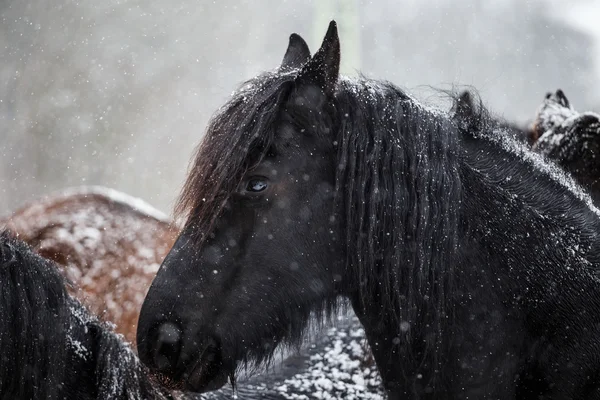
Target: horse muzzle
point(201, 371)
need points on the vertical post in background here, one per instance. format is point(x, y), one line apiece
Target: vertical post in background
point(324, 11)
point(346, 14)
point(349, 27)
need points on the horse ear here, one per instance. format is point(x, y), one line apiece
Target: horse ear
point(324, 68)
point(464, 105)
point(296, 55)
point(562, 99)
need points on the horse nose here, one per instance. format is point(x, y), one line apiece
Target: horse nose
point(167, 347)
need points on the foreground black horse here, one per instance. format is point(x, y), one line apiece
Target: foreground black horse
point(471, 263)
point(51, 347)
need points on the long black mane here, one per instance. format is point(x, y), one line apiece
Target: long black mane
point(238, 136)
point(397, 159)
point(22, 348)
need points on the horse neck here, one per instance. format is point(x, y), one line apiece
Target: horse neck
point(521, 233)
point(530, 230)
point(380, 331)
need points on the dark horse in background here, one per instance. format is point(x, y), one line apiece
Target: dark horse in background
point(571, 139)
point(471, 263)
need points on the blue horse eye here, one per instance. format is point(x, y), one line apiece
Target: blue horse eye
point(256, 185)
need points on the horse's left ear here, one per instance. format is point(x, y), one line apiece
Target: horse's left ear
point(296, 55)
point(323, 69)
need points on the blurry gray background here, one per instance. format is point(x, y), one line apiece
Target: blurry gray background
point(118, 93)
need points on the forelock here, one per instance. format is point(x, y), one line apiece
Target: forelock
point(237, 137)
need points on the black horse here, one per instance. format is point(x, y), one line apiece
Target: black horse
point(571, 139)
point(51, 347)
point(471, 263)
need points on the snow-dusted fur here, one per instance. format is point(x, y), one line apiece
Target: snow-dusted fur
point(109, 244)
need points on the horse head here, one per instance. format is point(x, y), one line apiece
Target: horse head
point(260, 250)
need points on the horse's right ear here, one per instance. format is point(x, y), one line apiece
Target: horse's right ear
point(323, 69)
point(296, 55)
point(464, 107)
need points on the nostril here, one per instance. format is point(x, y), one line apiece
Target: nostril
point(168, 346)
